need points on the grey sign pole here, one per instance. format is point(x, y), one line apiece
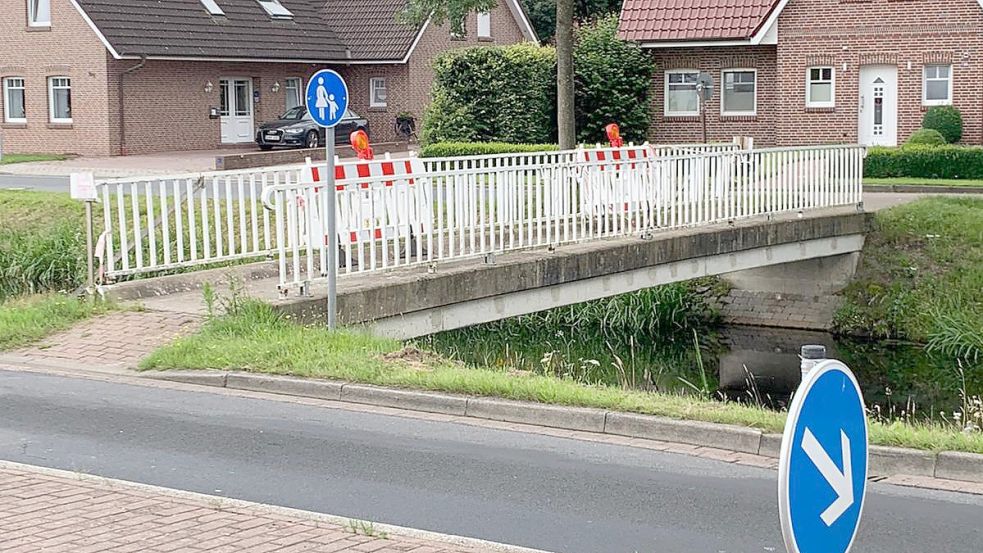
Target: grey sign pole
point(332, 231)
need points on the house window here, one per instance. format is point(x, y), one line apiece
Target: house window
point(937, 87)
point(459, 30)
point(681, 96)
point(13, 100)
point(293, 93)
point(484, 25)
point(39, 13)
point(377, 92)
point(820, 87)
point(739, 95)
point(60, 99)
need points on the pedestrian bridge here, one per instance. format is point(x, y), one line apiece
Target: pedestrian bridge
point(432, 245)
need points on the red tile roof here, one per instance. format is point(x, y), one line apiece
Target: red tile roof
point(693, 20)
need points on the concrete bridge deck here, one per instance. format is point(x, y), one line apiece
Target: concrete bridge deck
point(417, 300)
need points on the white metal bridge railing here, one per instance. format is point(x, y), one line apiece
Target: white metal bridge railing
point(457, 208)
point(180, 222)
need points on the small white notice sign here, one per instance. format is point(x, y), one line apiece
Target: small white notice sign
point(83, 187)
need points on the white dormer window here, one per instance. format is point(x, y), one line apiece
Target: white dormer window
point(275, 9)
point(212, 7)
point(39, 13)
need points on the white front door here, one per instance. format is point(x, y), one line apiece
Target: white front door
point(879, 105)
point(236, 111)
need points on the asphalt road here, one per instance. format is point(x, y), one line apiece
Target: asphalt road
point(550, 493)
point(34, 182)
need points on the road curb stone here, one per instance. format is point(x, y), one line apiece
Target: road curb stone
point(405, 399)
point(884, 460)
point(744, 440)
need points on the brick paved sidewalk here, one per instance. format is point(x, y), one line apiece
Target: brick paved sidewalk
point(120, 339)
point(44, 510)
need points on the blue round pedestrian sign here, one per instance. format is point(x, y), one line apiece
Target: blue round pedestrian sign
point(327, 97)
point(822, 471)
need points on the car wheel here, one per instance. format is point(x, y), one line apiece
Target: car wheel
point(265, 147)
point(312, 140)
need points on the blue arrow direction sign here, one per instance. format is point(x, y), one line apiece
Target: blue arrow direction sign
point(822, 469)
point(327, 97)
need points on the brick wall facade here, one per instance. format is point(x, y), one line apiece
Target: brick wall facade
point(675, 129)
point(68, 48)
point(844, 34)
point(166, 103)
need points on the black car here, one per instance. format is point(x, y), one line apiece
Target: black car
point(296, 129)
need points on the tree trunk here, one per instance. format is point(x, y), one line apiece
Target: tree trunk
point(564, 75)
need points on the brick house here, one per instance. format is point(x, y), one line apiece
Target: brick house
point(792, 72)
point(110, 77)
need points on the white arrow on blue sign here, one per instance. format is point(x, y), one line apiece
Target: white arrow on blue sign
point(327, 97)
point(822, 471)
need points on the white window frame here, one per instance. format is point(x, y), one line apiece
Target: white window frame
point(212, 7)
point(286, 91)
point(925, 79)
point(51, 100)
point(484, 25)
point(275, 9)
point(6, 99)
point(723, 92)
point(666, 94)
point(810, 103)
point(32, 16)
point(372, 88)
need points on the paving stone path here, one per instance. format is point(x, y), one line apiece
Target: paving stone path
point(55, 512)
point(119, 339)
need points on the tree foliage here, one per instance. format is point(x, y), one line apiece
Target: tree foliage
point(439, 11)
point(542, 13)
point(945, 119)
point(613, 78)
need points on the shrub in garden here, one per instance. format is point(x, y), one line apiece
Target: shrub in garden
point(926, 137)
point(613, 78)
point(933, 162)
point(455, 149)
point(493, 93)
point(945, 119)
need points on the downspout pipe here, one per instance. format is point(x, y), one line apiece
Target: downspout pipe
point(122, 111)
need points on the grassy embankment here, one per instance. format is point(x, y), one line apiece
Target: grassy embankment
point(921, 278)
point(252, 337)
point(42, 260)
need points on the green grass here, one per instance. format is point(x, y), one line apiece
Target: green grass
point(42, 246)
point(28, 319)
point(921, 277)
point(24, 158)
point(254, 338)
point(915, 181)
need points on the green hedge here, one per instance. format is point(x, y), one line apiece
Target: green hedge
point(456, 149)
point(945, 119)
point(613, 78)
point(932, 162)
point(926, 137)
point(493, 93)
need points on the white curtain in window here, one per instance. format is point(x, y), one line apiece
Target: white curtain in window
point(681, 96)
point(40, 11)
point(738, 91)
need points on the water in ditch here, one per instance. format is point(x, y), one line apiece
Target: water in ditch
point(740, 363)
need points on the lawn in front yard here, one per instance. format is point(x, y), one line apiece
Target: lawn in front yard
point(255, 338)
point(917, 181)
point(25, 158)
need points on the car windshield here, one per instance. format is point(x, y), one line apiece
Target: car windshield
point(295, 113)
point(349, 114)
